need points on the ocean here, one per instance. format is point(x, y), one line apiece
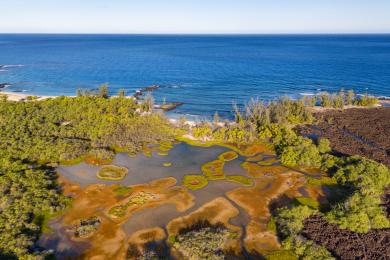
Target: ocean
point(206, 72)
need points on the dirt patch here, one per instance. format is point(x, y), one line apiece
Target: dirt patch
point(345, 244)
point(364, 132)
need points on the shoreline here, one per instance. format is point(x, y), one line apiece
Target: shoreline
point(21, 97)
point(12, 96)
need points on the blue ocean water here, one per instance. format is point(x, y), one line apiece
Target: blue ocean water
point(205, 72)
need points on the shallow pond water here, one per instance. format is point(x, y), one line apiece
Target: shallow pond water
point(185, 159)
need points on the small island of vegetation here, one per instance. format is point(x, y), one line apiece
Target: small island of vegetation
point(112, 173)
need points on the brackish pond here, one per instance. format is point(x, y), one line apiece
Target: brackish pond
point(169, 202)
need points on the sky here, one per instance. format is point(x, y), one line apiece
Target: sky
point(195, 16)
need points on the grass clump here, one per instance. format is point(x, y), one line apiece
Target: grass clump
point(167, 164)
point(195, 182)
point(240, 179)
point(138, 199)
point(118, 211)
point(214, 170)
point(228, 156)
point(271, 225)
point(205, 243)
point(112, 173)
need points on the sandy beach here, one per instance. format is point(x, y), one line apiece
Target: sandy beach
point(22, 97)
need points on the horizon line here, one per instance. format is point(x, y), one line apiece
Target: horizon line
point(200, 34)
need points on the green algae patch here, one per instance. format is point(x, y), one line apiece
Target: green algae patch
point(167, 164)
point(147, 153)
point(240, 179)
point(112, 173)
point(267, 162)
point(122, 190)
point(164, 147)
point(271, 225)
point(214, 170)
point(228, 156)
point(308, 202)
point(281, 254)
point(72, 161)
point(195, 182)
point(132, 155)
point(162, 153)
point(322, 181)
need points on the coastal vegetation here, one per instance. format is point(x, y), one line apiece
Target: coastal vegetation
point(360, 182)
point(66, 128)
point(39, 134)
point(29, 196)
point(340, 100)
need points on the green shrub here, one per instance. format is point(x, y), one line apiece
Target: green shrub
point(205, 243)
point(289, 221)
point(202, 131)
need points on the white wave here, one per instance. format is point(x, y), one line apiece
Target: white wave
point(3, 70)
point(307, 94)
point(12, 66)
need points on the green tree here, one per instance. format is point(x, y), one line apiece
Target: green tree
point(216, 118)
point(350, 97)
point(122, 93)
point(325, 100)
point(103, 91)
